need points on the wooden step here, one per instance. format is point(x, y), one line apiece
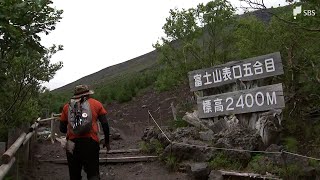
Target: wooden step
point(118, 151)
point(111, 159)
point(248, 175)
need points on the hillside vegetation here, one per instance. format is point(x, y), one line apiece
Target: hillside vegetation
point(114, 73)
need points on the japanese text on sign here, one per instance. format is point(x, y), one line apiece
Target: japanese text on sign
point(250, 100)
point(246, 70)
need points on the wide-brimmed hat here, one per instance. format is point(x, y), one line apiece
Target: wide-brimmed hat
point(81, 90)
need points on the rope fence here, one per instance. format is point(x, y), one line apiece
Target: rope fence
point(230, 149)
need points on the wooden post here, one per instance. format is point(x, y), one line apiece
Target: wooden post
point(17, 164)
point(160, 116)
point(6, 157)
point(52, 129)
point(27, 154)
point(2, 147)
point(284, 159)
point(174, 111)
point(24, 152)
point(33, 139)
point(147, 110)
point(148, 118)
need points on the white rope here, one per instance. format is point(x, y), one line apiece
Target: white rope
point(228, 149)
point(294, 154)
point(159, 127)
point(157, 109)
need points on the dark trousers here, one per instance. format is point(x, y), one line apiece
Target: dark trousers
point(86, 155)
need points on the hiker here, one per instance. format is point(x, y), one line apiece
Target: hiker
point(79, 120)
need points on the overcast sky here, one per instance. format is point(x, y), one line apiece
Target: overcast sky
point(101, 33)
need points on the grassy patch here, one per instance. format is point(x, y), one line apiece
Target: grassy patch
point(314, 163)
point(291, 144)
point(154, 146)
point(171, 162)
point(144, 146)
point(221, 161)
point(291, 171)
point(259, 165)
point(186, 106)
point(157, 146)
point(178, 123)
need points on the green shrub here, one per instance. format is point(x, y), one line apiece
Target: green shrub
point(144, 146)
point(255, 165)
point(291, 144)
point(187, 106)
point(171, 162)
point(314, 163)
point(221, 161)
point(167, 80)
point(154, 146)
point(292, 171)
point(178, 123)
point(258, 164)
point(157, 146)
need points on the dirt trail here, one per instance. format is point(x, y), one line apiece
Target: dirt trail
point(130, 119)
point(124, 171)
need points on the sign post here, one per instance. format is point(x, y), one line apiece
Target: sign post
point(239, 102)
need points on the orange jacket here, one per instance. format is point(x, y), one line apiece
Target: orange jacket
point(97, 109)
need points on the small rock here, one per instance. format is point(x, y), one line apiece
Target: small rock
point(274, 148)
point(193, 119)
point(199, 171)
point(116, 136)
point(206, 135)
point(215, 175)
